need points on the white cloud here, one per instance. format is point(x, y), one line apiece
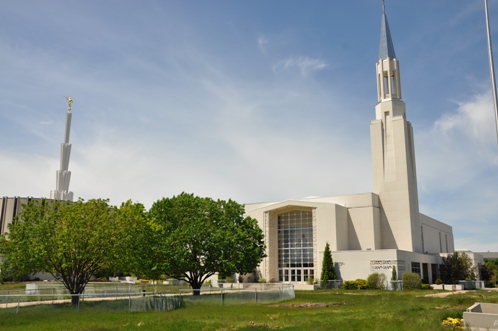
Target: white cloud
point(27, 175)
point(460, 145)
point(457, 171)
point(262, 41)
point(305, 64)
point(474, 119)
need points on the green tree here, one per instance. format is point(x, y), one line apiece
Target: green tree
point(490, 271)
point(71, 241)
point(394, 278)
point(199, 237)
point(328, 270)
point(394, 275)
point(139, 237)
point(455, 267)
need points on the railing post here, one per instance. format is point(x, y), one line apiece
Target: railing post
point(18, 300)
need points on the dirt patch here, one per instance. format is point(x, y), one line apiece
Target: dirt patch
point(312, 305)
point(263, 326)
point(445, 294)
point(452, 307)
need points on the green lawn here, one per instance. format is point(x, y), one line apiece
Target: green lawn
point(318, 310)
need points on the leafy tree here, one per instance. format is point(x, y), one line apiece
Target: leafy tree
point(200, 236)
point(455, 267)
point(490, 271)
point(71, 241)
point(137, 247)
point(328, 270)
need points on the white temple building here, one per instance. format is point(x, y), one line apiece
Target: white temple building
point(11, 206)
point(63, 176)
point(370, 232)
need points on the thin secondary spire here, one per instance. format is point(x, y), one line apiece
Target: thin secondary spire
point(383, 6)
point(386, 49)
point(63, 176)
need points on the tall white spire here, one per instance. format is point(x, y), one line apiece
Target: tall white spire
point(393, 155)
point(63, 175)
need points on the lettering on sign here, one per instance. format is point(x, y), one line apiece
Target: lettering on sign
point(387, 264)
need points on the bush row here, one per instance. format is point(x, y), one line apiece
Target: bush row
point(377, 281)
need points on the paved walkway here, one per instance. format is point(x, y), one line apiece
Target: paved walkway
point(445, 294)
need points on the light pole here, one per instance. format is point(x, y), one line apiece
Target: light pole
point(491, 66)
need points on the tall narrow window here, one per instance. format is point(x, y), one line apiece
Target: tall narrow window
point(387, 92)
point(422, 235)
point(393, 86)
point(295, 246)
point(416, 267)
point(440, 243)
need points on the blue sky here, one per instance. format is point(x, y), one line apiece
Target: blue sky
point(249, 100)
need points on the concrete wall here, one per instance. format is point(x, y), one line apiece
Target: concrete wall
point(351, 265)
point(9, 208)
point(352, 225)
point(437, 236)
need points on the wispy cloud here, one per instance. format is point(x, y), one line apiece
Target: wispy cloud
point(262, 41)
point(305, 64)
point(474, 119)
point(458, 170)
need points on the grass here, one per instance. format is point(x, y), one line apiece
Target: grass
point(12, 286)
point(317, 310)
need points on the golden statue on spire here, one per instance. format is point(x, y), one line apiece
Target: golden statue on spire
point(69, 102)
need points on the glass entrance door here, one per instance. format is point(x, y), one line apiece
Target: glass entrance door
point(295, 246)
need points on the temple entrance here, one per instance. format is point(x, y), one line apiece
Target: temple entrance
point(295, 246)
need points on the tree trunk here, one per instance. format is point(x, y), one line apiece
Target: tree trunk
point(196, 288)
point(75, 299)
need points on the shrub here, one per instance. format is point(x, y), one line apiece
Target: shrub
point(439, 281)
point(394, 275)
point(426, 287)
point(310, 280)
point(411, 281)
point(229, 279)
point(358, 284)
point(262, 280)
point(328, 270)
point(376, 281)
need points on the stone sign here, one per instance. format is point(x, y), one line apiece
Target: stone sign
point(379, 265)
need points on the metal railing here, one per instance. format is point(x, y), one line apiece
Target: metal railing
point(144, 301)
